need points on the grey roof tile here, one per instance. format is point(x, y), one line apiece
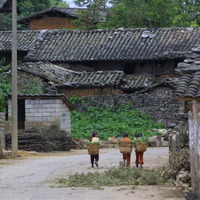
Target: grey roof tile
point(107, 78)
point(104, 45)
point(126, 44)
point(136, 82)
point(93, 79)
point(26, 40)
point(189, 86)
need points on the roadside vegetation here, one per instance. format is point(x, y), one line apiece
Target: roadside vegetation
point(112, 177)
point(112, 122)
point(5, 86)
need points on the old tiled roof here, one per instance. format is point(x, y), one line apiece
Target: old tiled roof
point(93, 79)
point(47, 96)
point(104, 45)
point(71, 12)
point(118, 44)
point(5, 5)
point(192, 61)
point(26, 39)
point(107, 78)
point(136, 82)
point(49, 71)
point(189, 86)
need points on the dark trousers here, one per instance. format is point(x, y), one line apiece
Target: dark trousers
point(94, 157)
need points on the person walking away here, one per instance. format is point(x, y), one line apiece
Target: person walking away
point(94, 158)
point(139, 154)
point(126, 156)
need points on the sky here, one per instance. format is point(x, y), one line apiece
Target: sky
point(71, 3)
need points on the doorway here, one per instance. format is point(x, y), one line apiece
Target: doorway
point(21, 114)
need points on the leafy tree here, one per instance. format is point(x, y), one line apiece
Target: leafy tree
point(27, 7)
point(188, 13)
point(5, 86)
point(90, 17)
point(58, 3)
point(140, 13)
point(5, 21)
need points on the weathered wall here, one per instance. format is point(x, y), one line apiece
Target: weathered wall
point(80, 92)
point(159, 103)
point(194, 142)
point(51, 23)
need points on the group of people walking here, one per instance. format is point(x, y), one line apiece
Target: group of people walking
point(126, 156)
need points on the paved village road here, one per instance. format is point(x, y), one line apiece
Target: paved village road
point(26, 178)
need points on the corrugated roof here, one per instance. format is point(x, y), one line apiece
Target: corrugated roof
point(118, 44)
point(93, 79)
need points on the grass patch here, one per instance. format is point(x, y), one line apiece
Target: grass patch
point(112, 177)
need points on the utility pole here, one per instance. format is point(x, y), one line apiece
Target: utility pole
point(14, 81)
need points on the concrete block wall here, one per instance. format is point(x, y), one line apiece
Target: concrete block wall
point(46, 110)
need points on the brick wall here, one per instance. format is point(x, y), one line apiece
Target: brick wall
point(51, 23)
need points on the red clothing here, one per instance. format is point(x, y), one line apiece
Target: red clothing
point(139, 158)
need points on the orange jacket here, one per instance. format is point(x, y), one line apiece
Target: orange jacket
point(126, 139)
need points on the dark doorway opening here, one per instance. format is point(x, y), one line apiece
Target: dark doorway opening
point(129, 68)
point(21, 114)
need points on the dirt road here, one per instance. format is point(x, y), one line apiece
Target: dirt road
point(27, 178)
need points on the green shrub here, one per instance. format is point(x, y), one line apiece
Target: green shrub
point(111, 122)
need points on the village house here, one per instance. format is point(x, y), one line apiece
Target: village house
point(188, 92)
point(133, 51)
point(141, 54)
point(103, 83)
point(43, 110)
point(52, 18)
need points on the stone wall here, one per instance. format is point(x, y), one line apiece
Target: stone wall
point(80, 92)
point(194, 143)
point(158, 102)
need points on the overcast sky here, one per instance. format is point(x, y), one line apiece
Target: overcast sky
point(71, 3)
